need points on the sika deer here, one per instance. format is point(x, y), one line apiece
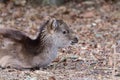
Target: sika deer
point(24, 52)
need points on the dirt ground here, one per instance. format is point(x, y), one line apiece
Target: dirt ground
point(95, 57)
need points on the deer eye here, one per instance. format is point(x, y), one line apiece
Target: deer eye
point(64, 32)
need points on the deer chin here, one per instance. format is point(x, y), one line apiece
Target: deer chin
point(65, 45)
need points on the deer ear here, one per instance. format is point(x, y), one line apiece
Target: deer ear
point(53, 24)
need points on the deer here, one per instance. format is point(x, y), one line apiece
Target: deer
point(23, 52)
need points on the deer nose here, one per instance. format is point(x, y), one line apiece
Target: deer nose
point(75, 40)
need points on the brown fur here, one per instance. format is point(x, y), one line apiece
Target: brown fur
point(24, 52)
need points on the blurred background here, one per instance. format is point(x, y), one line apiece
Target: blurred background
point(95, 22)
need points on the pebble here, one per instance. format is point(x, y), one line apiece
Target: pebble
point(94, 24)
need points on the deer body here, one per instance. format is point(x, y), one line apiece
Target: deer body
point(24, 52)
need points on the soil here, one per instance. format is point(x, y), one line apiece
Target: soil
point(95, 57)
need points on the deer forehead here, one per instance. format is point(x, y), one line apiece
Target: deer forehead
point(62, 26)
